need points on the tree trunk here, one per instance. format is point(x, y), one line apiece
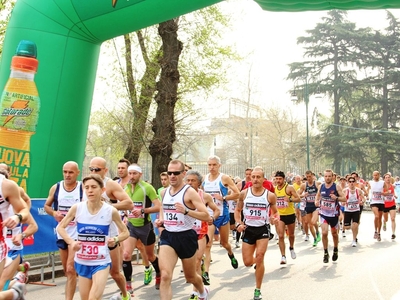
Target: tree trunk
point(163, 125)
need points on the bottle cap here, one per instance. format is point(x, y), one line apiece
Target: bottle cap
point(25, 56)
point(26, 48)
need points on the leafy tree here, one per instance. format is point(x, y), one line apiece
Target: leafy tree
point(329, 47)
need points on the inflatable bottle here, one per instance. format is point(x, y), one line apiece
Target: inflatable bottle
point(19, 112)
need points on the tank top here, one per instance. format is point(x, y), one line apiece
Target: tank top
point(284, 207)
point(256, 209)
point(389, 199)
point(93, 232)
point(352, 203)
point(13, 232)
point(4, 209)
point(63, 200)
point(328, 207)
point(376, 191)
point(201, 227)
point(175, 221)
point(216, 187)
point(312, 192)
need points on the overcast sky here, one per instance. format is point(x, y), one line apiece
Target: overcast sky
point(270, 41)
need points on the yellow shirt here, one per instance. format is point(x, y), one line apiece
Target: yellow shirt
point(285, 208)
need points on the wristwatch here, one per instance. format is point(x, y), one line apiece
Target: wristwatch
point(142, 210)
point(238, 224)
point(23, 235)
point(224, 198)
point(186, 211)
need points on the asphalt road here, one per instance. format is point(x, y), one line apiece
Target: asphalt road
point(368, 271)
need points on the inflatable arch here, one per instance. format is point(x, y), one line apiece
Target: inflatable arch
point(68, 35)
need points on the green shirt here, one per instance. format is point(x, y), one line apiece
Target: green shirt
point(142, 197)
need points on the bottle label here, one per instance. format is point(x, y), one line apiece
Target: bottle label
point(19, 111)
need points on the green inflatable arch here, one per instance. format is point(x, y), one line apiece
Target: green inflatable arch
point(68, 35)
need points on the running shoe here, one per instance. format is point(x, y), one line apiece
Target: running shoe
point(375, 235)
point(335, 255)
point(271, 236)
point(318, 237)
point(206, 297)
point(354, 244)
point(326, 258)
point(393, 236)
point(257, 295)
point(21, 290)
point(307, 238)
point(129, 289)
point(384, 226)
point(283, 260)
point(237, 245)
point(379, 237)
point(158, 281)
point(315, 243)
point(276, 237)
point(234, 261)
point(148, 275)
point(293, 254)
point(343, 233)
point(206, 278)
point(194, 297)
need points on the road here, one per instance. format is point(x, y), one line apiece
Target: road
point(368, 271)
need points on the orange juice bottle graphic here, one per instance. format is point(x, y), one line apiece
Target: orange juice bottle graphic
point(19, 112)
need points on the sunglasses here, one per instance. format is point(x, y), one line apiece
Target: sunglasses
point(351, 181)
point(176, 173)
point(95, 169)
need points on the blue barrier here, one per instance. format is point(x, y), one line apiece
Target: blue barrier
point(44, 240)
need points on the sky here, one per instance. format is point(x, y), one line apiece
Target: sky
point(268, 40)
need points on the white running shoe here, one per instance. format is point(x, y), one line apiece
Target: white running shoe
point(283, 260)
point(207, 290)
point(293, 254)
point(307, 238)
point(354, 244)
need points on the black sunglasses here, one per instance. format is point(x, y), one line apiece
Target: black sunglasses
point(176, 173)
point(95, 169)
point(351, 181)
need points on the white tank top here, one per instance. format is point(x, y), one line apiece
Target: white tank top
point(11, 233)
point(256, 209)
point(175, 221)
point(376, 191)
point(93, 232)
point(4, 209)
point(352, 200)
point(65, 200)
point(213, 187)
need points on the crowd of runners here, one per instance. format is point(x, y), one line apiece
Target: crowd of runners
point(101, 221)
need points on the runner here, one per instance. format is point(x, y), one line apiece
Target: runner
point(375, 189)
point(308, 191)
point(194, 179)
point(62, 196)
point(113, 195)
point(257, 204)
point(217, 184)
point(92, 255)
point(285, 198)
point(390, 204)
point(327, 199)
point(354, 198)
point(181, 206)
point(145, 201)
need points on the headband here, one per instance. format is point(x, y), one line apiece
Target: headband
point(135, 168)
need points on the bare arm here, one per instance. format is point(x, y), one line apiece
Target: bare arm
point(12, 193)
point(228, 182)
point(116, 192)
point(30, 230)
point(192, 198)
point(274, 219)
point(48, 206)
point(293, 194)
point(239, 208)
point(210, 203)
point(64, 223)
point(123, 233)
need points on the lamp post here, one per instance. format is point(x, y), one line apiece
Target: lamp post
point(251, 143)
point(306, 100)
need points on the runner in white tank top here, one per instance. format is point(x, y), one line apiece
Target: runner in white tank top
point(181, 205)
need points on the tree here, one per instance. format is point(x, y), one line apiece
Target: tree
point(329, 46)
